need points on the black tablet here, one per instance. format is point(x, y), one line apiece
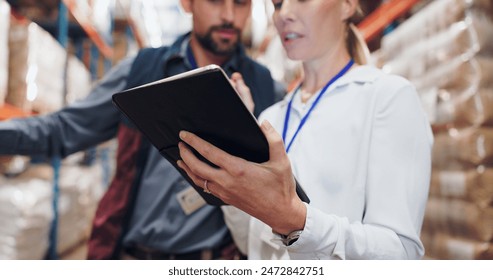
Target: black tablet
point(202, 101)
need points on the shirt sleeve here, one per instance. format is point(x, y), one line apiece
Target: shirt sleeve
point(238, 223)
point(399, 170)
point(81, 125)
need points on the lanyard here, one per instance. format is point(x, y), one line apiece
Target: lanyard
point(190, 57)
point(303, 120)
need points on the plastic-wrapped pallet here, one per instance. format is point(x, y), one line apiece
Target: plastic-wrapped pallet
point(428, 23)
point(26, 209)
point(446, 50)
point(81, 189)
point(450, 68)
point(32, 87)
point(32, 51)
point(38, 66)
point(4, 50)
point(458, 77)
point(461, 40)
point(458, 92)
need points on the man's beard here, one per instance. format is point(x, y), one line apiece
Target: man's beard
point(208, 43)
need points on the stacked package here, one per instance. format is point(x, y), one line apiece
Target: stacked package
point(4, 50)
point(446, 50)
point(26, 210)
point(37, 70)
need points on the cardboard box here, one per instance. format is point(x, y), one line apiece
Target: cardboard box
point(445, 247)
point(463, 149)
point(473, 185)
point(39, 69)
point(459, 218)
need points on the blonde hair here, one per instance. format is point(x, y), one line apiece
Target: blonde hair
point(355, 43)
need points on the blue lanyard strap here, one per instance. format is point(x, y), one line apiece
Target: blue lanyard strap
point(190, 57)
point(303, 120)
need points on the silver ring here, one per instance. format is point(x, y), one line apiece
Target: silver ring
point(206, 188)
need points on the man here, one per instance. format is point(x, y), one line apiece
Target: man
point(140, 217)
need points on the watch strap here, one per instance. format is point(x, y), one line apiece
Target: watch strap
point(289, 239)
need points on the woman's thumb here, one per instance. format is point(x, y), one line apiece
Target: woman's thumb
point(276, 145)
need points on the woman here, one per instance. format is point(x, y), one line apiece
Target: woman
point(355, 138)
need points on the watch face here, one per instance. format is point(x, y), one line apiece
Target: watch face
point(292, 241)
point(291, 237)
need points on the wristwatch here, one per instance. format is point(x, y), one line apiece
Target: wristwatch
point(291, 237)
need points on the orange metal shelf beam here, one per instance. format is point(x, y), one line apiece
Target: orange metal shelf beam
point(8, 111)
point(91, 31)
point(374, 23)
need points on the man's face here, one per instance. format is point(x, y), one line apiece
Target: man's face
point(218, 24)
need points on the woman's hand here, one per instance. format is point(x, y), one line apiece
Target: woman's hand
point(266, 191)
point(243, 90)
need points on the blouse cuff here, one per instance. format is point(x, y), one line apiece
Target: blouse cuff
point(319, 239)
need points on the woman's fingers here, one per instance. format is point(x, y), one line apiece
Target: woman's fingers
point(196, 179)
point(231, 164)
point(200, 182)
point(210, 152)
point(206, 149)
point(196, 166)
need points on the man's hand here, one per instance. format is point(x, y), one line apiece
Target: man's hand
point(243, 90)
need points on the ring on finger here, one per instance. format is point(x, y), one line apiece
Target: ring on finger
point(206, 187)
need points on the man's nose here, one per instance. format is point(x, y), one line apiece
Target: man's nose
point(228, 11)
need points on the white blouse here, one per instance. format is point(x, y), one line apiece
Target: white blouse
point(364, 159)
